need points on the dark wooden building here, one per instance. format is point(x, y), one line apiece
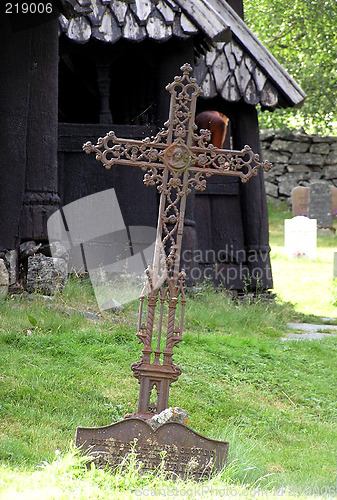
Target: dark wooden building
point(102, 65)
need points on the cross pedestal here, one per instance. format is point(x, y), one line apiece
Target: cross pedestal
point(176, 160)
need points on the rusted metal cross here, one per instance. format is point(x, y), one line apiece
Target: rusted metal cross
point(176, 160)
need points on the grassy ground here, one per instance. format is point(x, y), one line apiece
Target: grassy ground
point(274, 401)
point(308, 285)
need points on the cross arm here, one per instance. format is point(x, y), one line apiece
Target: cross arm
point(214, 161)
point(202, 159)
point(112, 150)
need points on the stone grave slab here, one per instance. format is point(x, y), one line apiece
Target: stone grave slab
point(310, 331)
point(307, 336)
point(300, 237)
point(320, 204)
point(4, 279)
point(334, 272)
point(186, 453)
point(334, 201)
point(46, 275)
point(299, 200)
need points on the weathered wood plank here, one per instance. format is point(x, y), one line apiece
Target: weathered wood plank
point(84, 3)
point(142, 9)
point(251, 95)
point(204, 15)
point(220, 71)
point(259, 78)
point(156, 27)
point(64, 23)
point(237, 52)
point(230, 91)
point(230, 56)
point(211, 56)
point(200, 70)
point(165, 11)
point(177, 29)
point(71, 134)
point(119, 9)
point(109, 31)
point(79, 29)
point(187, 26)
point(242, 76)
point(269, 96)
point(132, 30)
point(97, 12)
point(250, 64)
point(208, 86)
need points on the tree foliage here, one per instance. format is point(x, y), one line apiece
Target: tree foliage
point(301, 34)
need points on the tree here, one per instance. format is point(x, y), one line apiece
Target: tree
point(301, 34)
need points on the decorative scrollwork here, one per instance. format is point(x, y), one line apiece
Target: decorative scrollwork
point(176, 160)
point(198, 182)
point(153, 177)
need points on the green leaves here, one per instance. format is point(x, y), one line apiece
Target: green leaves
point(32, 320)
point(301, 35)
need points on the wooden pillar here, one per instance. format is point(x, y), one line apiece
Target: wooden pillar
point(15, 50)
point(104, 91)
point(41, 198)
point(253, 201)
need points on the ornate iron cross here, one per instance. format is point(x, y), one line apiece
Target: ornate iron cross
point(176, 160)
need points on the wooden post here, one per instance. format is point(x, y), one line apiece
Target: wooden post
point(41, 198)
point(14, 103)
point(254, 208)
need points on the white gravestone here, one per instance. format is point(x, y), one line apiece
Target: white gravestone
point(334, 275)
point(300, 237)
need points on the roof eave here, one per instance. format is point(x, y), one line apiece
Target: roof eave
point(292, 92)
point(207, 18)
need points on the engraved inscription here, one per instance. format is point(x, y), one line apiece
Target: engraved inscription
point(176, 448)
point(151, 454)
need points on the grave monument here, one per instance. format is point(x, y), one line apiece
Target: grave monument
point(300, 237)
point(299, 201)
point(176, 160)
point(318, 201)
point(319, 204)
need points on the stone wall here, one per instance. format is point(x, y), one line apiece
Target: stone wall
point(298, 159)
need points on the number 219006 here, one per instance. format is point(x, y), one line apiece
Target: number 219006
point(28, 8)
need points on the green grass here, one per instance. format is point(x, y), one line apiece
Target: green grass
point(273, 400)
point(307, 284)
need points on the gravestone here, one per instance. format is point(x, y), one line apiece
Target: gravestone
point(333, 201)
point(4, 279)
point(299, 200)
point(300, 237)
point(176, 448)
point(176, 160)
point(46, 275)
point(319, 206)
point(323, 194)
point(334, 272)
point(11, 258)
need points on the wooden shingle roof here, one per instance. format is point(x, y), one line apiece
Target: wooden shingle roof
point(236, 66)
point(229, 71)
point(110, 20)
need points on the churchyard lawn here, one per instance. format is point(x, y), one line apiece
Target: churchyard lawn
point(308, 285)
point(64, 364)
